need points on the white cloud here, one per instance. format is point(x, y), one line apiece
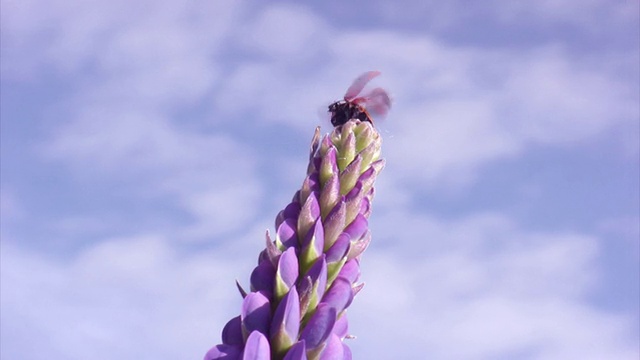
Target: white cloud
point(220, 209)
point(591, 15)
point(284, 32)
point(481, 288)
point(164, 39)
point(130, 297)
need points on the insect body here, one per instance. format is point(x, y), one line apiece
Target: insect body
point(376, 102)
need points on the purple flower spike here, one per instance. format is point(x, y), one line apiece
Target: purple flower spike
point(297, 352)
point(339, 295)
point(232, 332)
point(287, 272)
point(257, 347)
point(318, 328)
point(307, 276)
point(286, 323)
point(255, 314)
point(333, 350)
point(224, 352)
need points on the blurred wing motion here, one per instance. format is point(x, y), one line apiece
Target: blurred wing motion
point(377, 102)
point(359, 84)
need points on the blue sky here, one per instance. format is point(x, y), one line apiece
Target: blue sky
point(147, 146)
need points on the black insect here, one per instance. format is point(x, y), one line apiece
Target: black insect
point(375, 102)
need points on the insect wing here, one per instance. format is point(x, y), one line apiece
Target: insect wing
point(377, 102)
point(359, 84)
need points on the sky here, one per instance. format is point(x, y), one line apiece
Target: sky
point(146, 147)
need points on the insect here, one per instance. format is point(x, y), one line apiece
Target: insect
point(376, 102)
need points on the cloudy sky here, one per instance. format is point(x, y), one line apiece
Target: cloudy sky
point(147, 145)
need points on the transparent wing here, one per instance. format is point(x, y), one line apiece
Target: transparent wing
point(359, 84)
point(377, 102)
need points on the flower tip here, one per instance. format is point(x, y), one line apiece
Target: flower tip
point(257, 347)
point(224, 352)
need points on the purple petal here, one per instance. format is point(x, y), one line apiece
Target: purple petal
point(319, 326)
point(325, 145)
point(355, 192)
point(286, 236)
point(312, 246)
point(347, 352)
point(334, 224)
point(330, 194)
point(352, 202)
point(333, 350)
point(328, 166)
point(358, 227)
point(348, 151)
point(350, 175)
point(341, 327)
point(367, 178)
point(339, 295)
point(365, 207)
point(305, 288)
point(359, 246)
point(310, 185)
point(257, 347)
point(339, 249)
point(287, 272)
point(286, 322)
point(232, 332)
point(368, 153)
point(297, 352)
point(378, 165)
point(351, 271)
point(255, 313)
point(224, 352)
point(262, 278)
point(308, 215)
point(291, 211)
point(313, 290)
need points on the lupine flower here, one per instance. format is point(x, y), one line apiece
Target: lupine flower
point(307, 276)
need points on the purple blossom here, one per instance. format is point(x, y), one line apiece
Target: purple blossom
point(307, 277)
